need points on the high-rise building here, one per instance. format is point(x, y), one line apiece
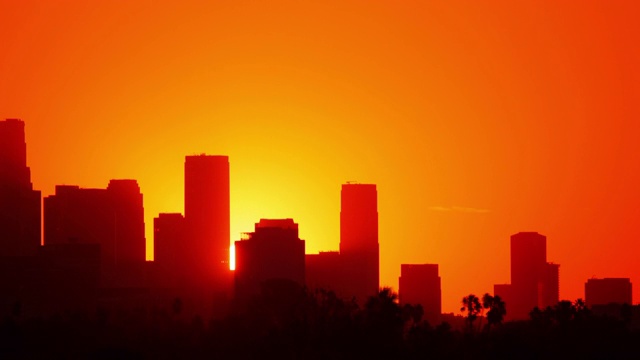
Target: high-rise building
point(13, 155)
point(171, 258)
point(359, 246)
point(608, 291)
point(325, 271)
point(549, 287)
point(128, 208)
point(528, 258)
point(20, 205)
point(272, 255)
point(534, 282)
point(506, 295)
point(206, 214)
point(112, 218)
point(419, 284)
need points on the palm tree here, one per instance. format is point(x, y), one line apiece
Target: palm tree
point(497, 309)
point(384, 305)
point(383, 318)
point(581, 311)
point(471, 304)
point(564, 312)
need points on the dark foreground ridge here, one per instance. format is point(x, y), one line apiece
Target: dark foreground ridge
point(289, 322)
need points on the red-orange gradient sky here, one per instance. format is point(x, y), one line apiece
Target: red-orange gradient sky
point(475, 119)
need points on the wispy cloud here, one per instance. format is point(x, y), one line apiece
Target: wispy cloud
point(461, 209)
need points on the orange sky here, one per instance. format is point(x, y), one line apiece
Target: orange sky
point(475, 119)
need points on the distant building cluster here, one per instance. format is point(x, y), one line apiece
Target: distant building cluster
point(93, 249)
point(354, 271)
point(534, 281)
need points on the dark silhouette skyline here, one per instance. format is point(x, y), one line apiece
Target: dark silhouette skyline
point(94, 247)
point(462, 133)
point(476, 122)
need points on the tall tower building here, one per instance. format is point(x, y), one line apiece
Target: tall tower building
point(206, 214)
point(534, 282)
point(20, 205)
point(528, 258)
point(359, 247)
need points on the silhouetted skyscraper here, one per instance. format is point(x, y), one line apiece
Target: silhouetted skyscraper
point(20, 230)
point(504, 291)
point(171, 258)
point(534, 282)
point(128, 208)
point(359, 239)
point(112, 218)
point(550, 288)
point(273, 253)
point(608, 291)
point(420, 284)
point(325, 270)
point(206, 213)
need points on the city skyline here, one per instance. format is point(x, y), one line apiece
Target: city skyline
point(475, 122)
point(193, 255)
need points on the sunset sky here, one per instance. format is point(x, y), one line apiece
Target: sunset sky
point(475, 119)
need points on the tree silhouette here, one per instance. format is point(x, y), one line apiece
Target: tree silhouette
point(471, 305)
point(562, 314)
point(497, 309)
point(384, 308)
point(580, 310)
point(383, 322)
point(413, 313)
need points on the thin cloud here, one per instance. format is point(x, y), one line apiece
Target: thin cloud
point(460, 209)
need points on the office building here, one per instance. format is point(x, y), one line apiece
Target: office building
point(273, 255)
point(549, 288)
point(419, 284)
point(505, 293)
point(325, 271)
point(171, 258)
point(359, 246)
point(206, 215)
point(20, 205)
point(608, 291)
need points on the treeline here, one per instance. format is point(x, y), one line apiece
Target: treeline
point(288, 322)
